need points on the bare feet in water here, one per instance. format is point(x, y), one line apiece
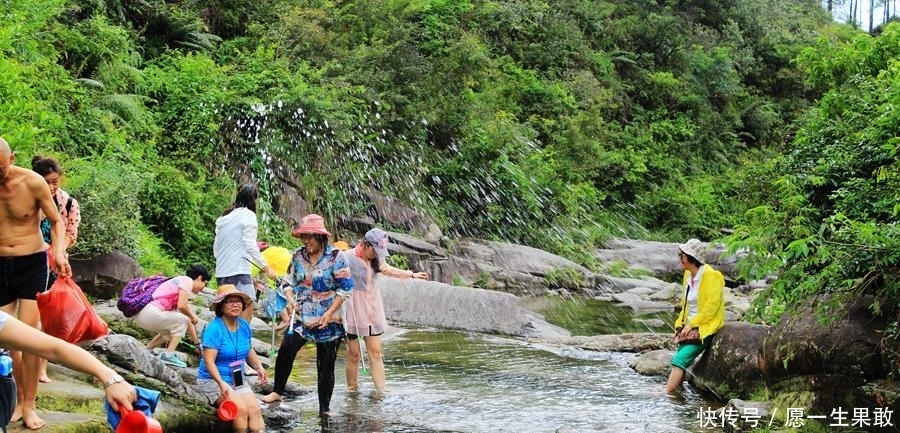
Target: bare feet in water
point(31, 420)
point(16, 415)
point(271, 398)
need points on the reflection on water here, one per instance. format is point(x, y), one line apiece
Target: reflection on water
point(443, 381)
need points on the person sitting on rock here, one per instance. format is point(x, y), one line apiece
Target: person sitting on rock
point(702, 313)
point(170, 314)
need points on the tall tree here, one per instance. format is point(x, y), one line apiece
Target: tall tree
point(871, 15)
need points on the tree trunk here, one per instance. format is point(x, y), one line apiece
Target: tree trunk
point(871, 14)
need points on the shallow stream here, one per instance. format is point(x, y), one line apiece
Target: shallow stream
point(440, 381)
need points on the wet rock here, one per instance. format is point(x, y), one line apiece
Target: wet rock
point(631, 342)
point(745, 416)
point(658, 289)
point(652, 363)
point(138, 365)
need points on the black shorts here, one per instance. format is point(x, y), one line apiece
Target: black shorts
point(22, 277)
point(351, 337)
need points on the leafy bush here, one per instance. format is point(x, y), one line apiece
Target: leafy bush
point(823, 228)
point(108, 190)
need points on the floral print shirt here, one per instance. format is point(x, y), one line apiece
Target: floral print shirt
point(70, 212)
point(315, 286)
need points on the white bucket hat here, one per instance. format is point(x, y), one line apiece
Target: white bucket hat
point(695, 249)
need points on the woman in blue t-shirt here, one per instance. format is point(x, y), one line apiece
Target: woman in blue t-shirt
point(226, 348)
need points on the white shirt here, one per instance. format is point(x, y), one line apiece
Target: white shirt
point(694, 284)
point(236, 243)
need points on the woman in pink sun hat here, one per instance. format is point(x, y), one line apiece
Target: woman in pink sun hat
point(319, 283)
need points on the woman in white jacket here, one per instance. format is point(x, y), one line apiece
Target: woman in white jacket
point(365, 310)
point(235, 247)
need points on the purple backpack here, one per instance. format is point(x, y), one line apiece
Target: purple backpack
point(138, 293)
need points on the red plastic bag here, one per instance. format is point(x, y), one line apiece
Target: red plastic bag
point(67, 314)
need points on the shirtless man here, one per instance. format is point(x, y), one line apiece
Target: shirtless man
point(23, 264)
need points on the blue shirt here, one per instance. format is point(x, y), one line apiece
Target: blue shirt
point(316, 285)
point(232, 347)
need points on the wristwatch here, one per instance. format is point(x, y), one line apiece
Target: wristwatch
point(112, 381)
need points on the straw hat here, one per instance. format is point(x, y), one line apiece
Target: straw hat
point(694, 248)
point(311, 224)
point(226, 290)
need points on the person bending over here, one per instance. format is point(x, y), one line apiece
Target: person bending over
point(170, 314)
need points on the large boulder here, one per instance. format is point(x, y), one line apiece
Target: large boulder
point(801, 344)
point(396, 213)
point(511, 268)
point(731, 364)
point(139, 366)
point(104, 276)
point(517, 269)
point(430, 303)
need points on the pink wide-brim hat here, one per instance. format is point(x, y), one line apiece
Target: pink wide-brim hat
point(311, 224)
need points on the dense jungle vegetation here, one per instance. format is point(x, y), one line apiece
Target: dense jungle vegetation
point(554, 124)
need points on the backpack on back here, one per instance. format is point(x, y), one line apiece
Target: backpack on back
point(138, 293)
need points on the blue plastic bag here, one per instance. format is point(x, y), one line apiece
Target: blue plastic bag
point(7, 389)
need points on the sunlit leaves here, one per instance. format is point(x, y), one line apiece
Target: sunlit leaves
point(830, 226)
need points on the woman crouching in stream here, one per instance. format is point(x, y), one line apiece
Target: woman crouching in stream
point(226, 348)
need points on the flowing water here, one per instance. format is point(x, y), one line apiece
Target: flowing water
point(444, 381)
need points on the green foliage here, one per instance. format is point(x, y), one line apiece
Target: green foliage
point(153, 256)
point(459, 282)
point(829, 226)
point(398, 261)
point(178, 208)
point(622, 270)
point(106, 187)
point(555, 125)
point(564, 277)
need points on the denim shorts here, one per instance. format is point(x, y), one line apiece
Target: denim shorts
point(242, 282)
